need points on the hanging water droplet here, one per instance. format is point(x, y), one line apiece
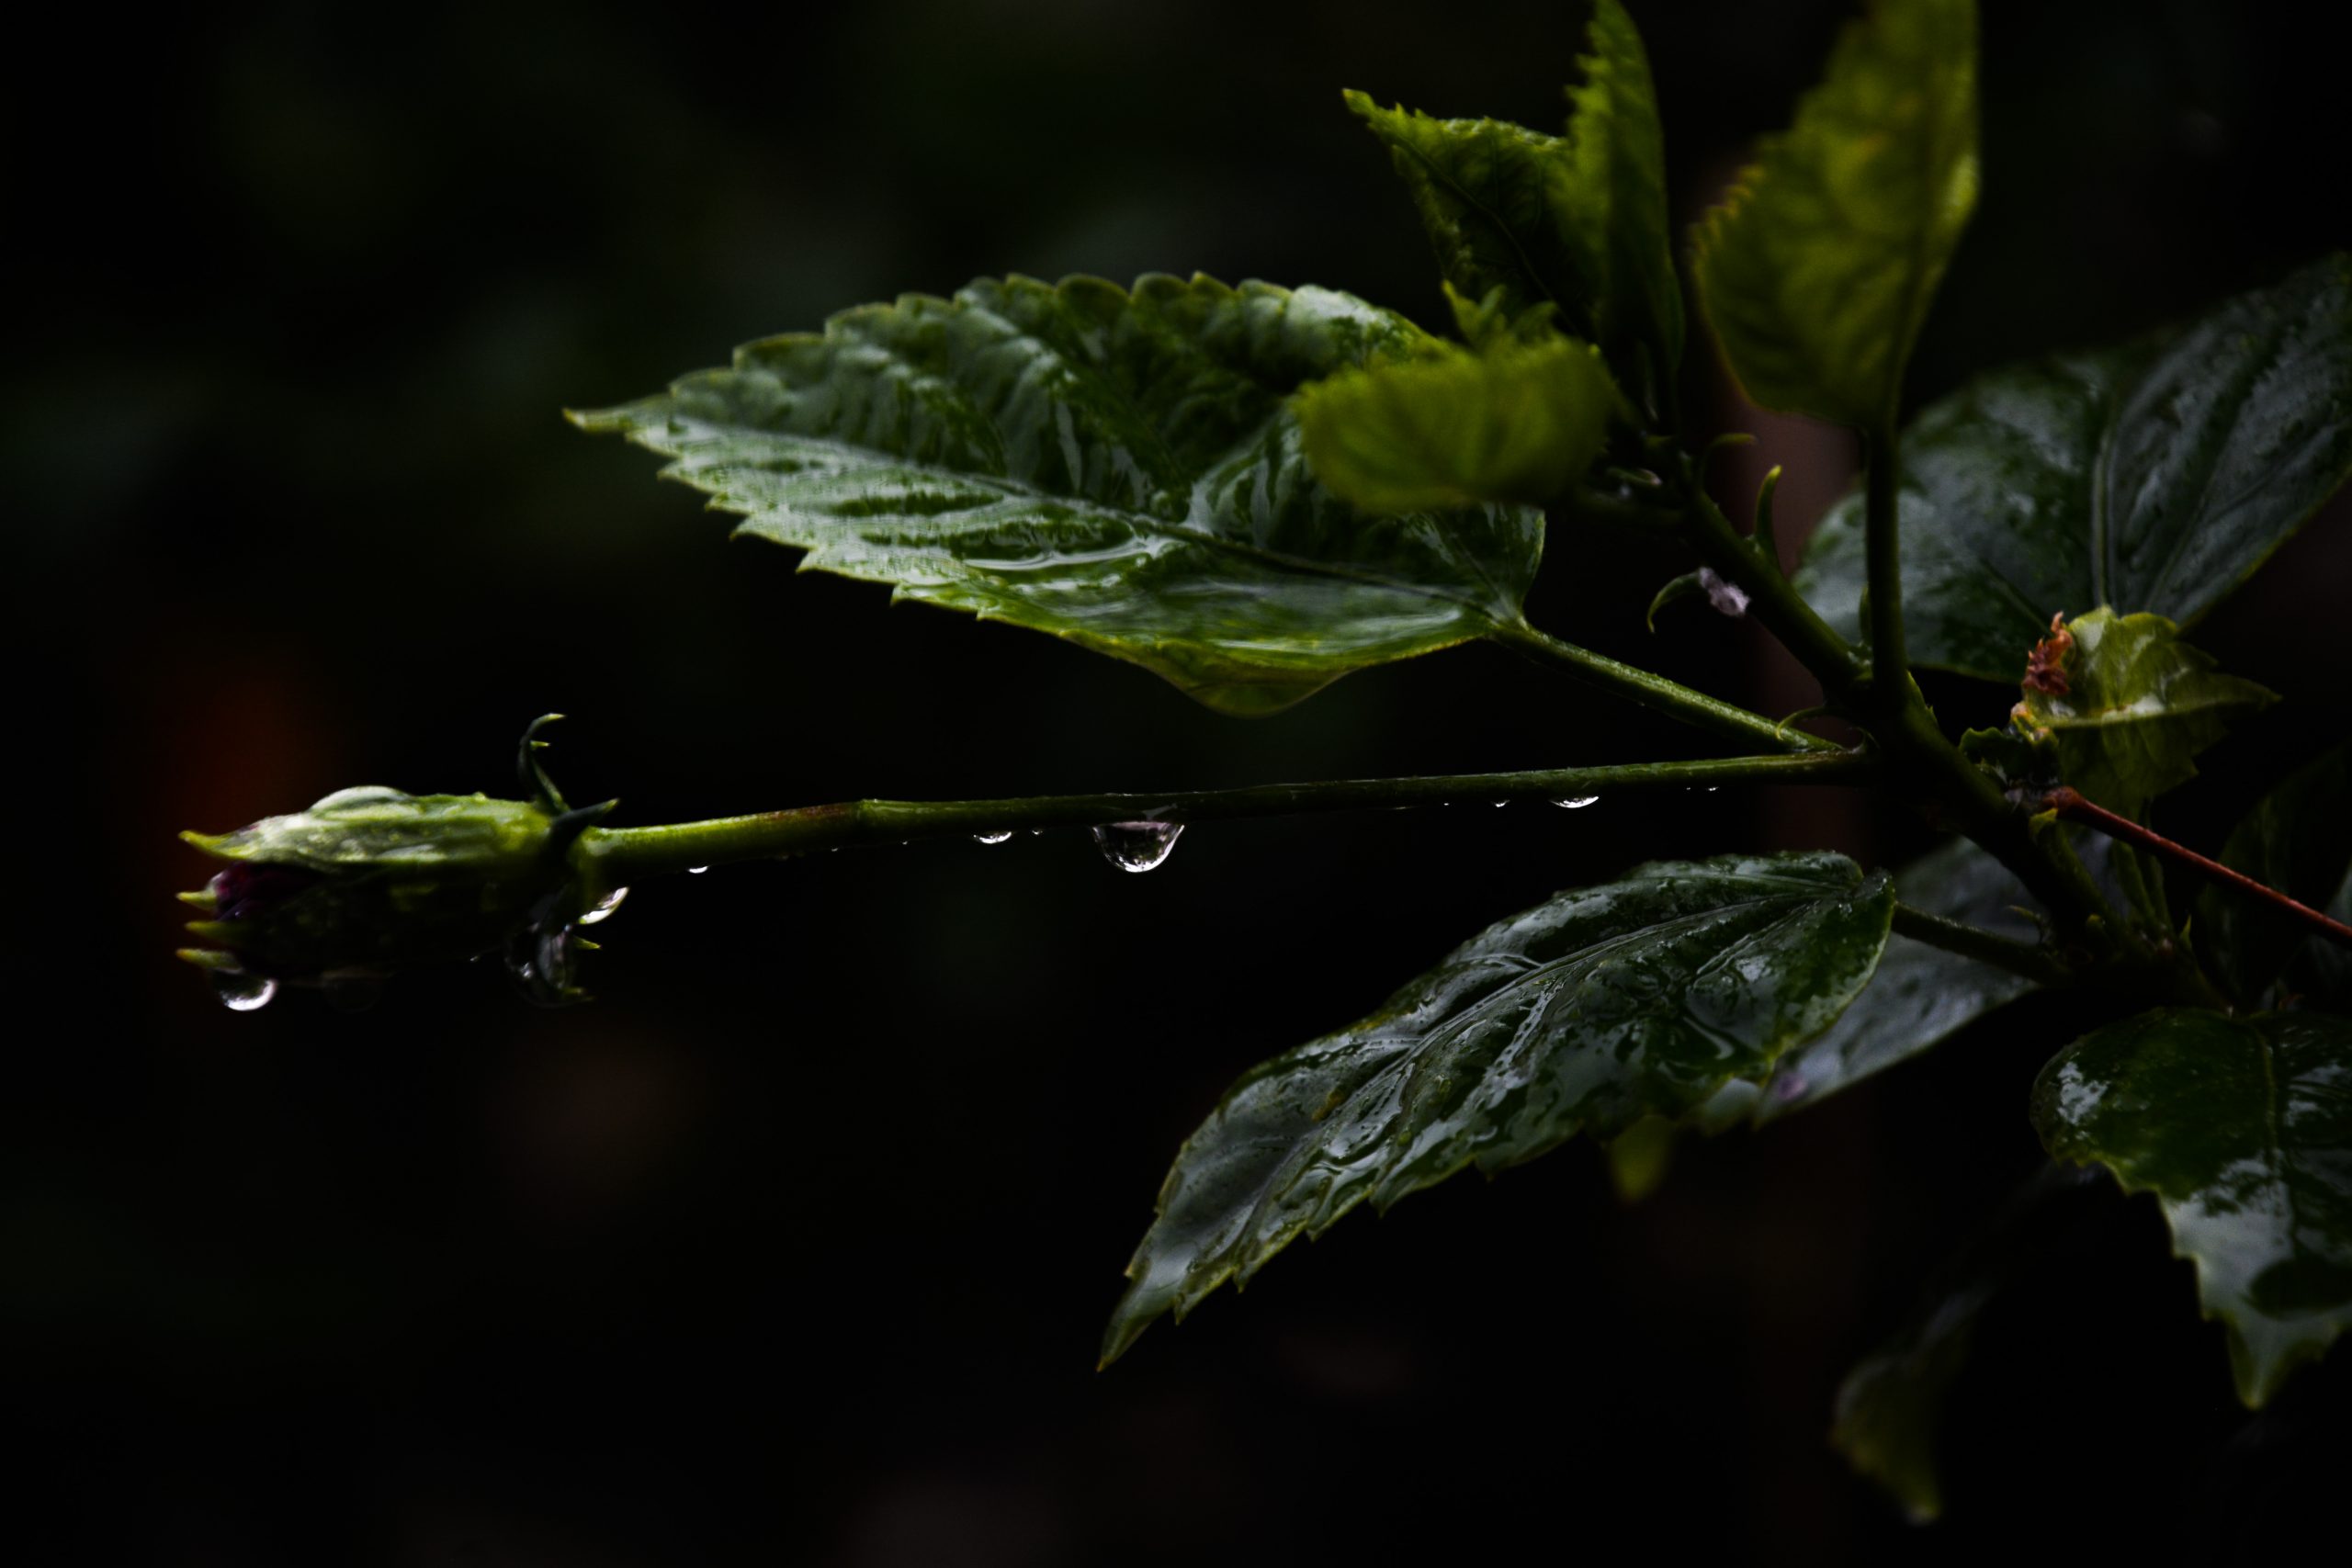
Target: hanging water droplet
point(1138, 846)
point(993, 838)
point(1501, 804)
point(539, 959)
point(696, 870)
point(240, 992)
point(1576, 801)
point(603, 907)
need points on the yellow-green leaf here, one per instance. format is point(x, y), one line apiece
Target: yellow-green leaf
point(1576, 221)
point(2137, 708)
point(1818, 268)
point(1455, 427)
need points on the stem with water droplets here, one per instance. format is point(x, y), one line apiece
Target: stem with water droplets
point(610, 857)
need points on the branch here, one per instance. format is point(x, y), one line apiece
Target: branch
point(1882, 541)
point(1658, 693)
point(1953, 936)
point(614, 856)
point(2070, 803)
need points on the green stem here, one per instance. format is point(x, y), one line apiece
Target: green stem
point(610, 857)
point(1658, 693)
point(1883, 540)
point(1953, 936)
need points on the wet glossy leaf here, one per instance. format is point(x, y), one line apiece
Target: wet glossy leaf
point(2154, 476)
point(1577, 221)
point(2298, 838)
point(1456, 427)
point(2141, 705)
point(2242, 1127)
point(1817, 270)
point(1921, 994)
point(1890, 1404)
point(1122, 468)
point(1590, 1011)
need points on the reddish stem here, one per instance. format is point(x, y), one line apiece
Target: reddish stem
point(2070, 803)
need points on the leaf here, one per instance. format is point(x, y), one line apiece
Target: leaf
point(1121, 469)
point(2242, 1127)
point(2138, 705)
point(1590, 1011)
point(1817, 271)
point(1577, 221)
point(1889, 1405)
point(1921, 994)
point(2298, 838)
point(1454, 428)
point(2154, 477)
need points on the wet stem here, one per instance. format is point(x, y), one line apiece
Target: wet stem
point(608, 858)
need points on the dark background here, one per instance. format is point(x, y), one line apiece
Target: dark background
point(795, 1244)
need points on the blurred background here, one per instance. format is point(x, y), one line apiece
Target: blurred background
point(795, 1244)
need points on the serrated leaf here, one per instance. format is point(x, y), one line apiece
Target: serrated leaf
point(1817, 270)
point(1576, 221)
point(1921, 994)
point(2242, 1127)
point(2154, 477)
point(1456, 427)
point(1590, 1011)
point(2298, 838)
point(2140, 705)
point(1121, 469)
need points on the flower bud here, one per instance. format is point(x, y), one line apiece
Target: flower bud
point(368, 881)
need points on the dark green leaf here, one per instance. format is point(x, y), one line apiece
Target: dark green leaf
point(1817, 270)
point(1576, 221)
point(2298, 838)
point(1920, 995)
point(1590, 1011)
point(2138, 706)
point(1456, 427)
point(2154, 476)
point(2242, 1127)
point(1890, 1403)
point(1119, 468)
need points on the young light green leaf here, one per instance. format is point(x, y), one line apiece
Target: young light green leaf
point(1576, 221)
point(1921, 994)
point(2298, 838)
point(2154, 477)
point(1121, 469)
point(1592, 1011)
point(1455, 427)
point(1817, 270)
point(2242, 1127)
point(2136, 706)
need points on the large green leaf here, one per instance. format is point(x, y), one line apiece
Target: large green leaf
point(2137, 708)
point(1456, 427)
point(1122, 468)
point(1817, 270)
point(1921, 994)
point(2154, 477)
point(1590, 1011)
point(1576, 221)
point(2242, 1127)
point(2298, 838)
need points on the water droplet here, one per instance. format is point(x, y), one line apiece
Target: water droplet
point(604, 906)
point(539, 959)
point(1138, 846)
point(696, 870)
point(240, 992)
point(1501, 804)
point(1576, 801)
point(993, 838)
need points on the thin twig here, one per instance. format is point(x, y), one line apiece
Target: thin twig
point(2070, 803)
